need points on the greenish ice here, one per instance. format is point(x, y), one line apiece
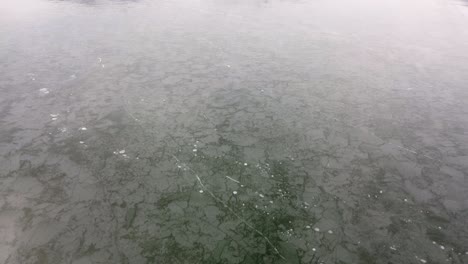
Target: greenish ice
point(233, 131)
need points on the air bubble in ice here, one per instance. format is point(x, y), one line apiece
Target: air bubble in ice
point(44, 90)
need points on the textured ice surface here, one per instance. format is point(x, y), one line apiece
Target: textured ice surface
point(233, 131)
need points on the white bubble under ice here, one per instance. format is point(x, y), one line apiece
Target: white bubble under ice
point(44, 90)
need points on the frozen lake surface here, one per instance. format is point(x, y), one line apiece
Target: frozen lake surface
point(234, 131)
